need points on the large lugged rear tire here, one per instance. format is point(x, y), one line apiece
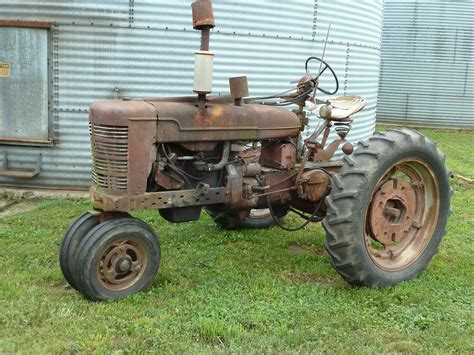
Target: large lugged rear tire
point(388, 209)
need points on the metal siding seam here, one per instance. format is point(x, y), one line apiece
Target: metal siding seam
point(347, 68)
point(131, 17)
point(315, 22)
point(55, 82)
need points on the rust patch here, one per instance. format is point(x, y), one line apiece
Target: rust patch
point(277, 155)
point(27, 24)
point(203, 14)
point(209, 119)
point(392, 211)
point(314, 185)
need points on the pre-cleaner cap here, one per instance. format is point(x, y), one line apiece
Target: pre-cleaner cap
point(203, 15)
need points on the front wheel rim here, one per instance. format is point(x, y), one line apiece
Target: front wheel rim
point(402, 215)
point(122, 264)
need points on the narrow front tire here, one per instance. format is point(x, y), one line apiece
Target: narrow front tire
point(117, 258)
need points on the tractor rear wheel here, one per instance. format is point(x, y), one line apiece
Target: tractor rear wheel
point(388, 209)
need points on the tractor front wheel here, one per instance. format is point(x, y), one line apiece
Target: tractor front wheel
point(117, 258)
point(388, 209)
point(73, 238)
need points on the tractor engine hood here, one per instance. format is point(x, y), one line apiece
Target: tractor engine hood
point(181, 120)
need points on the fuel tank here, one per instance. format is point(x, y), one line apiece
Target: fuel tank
point(181, 120)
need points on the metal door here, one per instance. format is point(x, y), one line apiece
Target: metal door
point(24, 112)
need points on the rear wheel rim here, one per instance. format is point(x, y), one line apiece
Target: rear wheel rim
point(402, 215)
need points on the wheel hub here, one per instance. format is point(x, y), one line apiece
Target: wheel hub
point(392, 211)
point(121, 265)
point(124, 264)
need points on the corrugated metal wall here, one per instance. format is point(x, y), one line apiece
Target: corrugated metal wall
point(110, 49)
point(427, 71)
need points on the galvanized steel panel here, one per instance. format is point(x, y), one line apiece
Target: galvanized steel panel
point(427, 75)
point(81, 12)
point(287, 19)
point(354, 52)
point(147, 50)
point(357, 23)
point(24, 89)
point(97, 63)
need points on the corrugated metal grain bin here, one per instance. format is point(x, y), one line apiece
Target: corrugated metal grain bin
point(113, 49)
point(427, 71)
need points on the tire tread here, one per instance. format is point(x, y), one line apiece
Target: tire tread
point(344, 203)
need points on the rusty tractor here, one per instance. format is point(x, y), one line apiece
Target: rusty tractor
point(384, 205)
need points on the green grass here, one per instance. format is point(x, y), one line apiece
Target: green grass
point(241, 291)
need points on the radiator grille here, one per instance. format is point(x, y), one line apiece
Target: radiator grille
point(109, 156)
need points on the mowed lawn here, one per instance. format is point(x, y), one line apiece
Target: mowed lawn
point(239, 291)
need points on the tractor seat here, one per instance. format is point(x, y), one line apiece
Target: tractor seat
point(341, 108)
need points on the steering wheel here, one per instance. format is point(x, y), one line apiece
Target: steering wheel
point(323, 69)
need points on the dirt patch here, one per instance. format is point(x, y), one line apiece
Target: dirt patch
point(5, 205)
point(14, 207)
point(301, 249)
point(17, 193)
point(61, 287)
point(304, 277)
point(402, 347)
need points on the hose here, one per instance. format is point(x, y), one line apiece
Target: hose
point(224, 159)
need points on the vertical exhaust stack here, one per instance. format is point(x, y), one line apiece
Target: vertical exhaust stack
point(203, 20)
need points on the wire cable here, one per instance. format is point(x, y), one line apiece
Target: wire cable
point(308, 219)
point(180, 171)
point(287, 102)
point(255, 98)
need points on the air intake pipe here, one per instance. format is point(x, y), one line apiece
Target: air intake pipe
point(239, 88)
